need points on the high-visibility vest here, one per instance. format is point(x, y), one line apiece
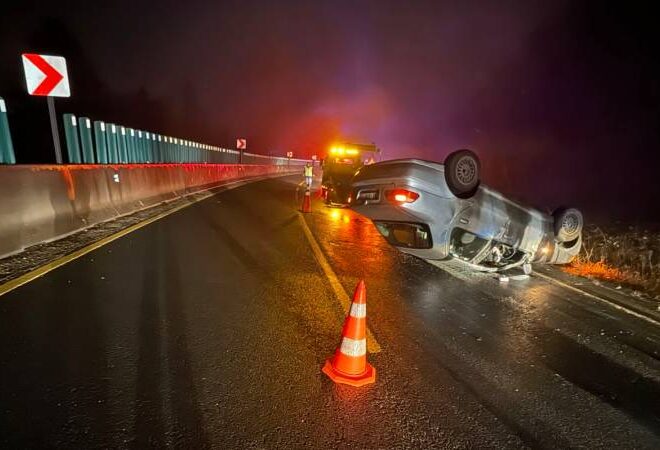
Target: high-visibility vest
point(309, 171)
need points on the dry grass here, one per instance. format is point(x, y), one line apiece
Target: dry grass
point(595, 269)
point(627, 255)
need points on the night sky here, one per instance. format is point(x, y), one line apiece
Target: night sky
point(560, 99)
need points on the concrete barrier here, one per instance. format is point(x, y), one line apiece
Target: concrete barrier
point(42, 203)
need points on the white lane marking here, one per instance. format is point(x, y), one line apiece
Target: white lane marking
point(600, 299)
point(460, 272)
point(344, 300)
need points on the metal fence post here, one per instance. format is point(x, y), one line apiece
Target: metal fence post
point(71, 137)
point(6, 146)
point(86, 143)
point(101, 142)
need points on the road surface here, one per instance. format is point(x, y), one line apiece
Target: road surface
point(208, 329)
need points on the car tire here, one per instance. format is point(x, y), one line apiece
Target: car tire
point(568, 224)
point(462, 173)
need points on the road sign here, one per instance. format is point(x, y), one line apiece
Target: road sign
point(289, 154)
point(46, 75)
point(313, 157)
point(241, 144)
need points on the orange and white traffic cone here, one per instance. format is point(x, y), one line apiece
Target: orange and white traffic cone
point(349, 364)
point(307, 202)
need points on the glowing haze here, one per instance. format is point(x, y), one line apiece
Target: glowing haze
point(557, 97)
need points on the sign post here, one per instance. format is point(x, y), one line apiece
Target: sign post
point(241, 144)
point(46, 76)
point(53, 128)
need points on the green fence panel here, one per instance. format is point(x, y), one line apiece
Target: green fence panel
point(6, 146)
point(140, 146)
point(130, 157)
point(111, 135)
point(71, 136)
point(173, 150)
point(86, 143)
point(146, 146)
point(160, 151)
point(122, 148)
point(154, 148)
point(136, 146)
point(166, 149)
point(163, 149)
point(101, 141)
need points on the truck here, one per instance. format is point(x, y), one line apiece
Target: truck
point(340, 165)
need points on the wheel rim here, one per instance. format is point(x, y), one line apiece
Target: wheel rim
point(466, 170)
point(570, 224)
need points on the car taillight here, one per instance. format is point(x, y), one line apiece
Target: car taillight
point(401, 196)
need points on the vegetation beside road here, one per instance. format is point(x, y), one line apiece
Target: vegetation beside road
point(627, 255)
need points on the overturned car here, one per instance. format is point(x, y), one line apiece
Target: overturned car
point(437, 211)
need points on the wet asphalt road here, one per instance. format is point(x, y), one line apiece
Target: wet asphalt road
point(208, 329)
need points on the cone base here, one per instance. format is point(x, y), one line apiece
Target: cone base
point(368, 377)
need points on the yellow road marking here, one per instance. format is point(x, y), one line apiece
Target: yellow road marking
point(342, 296)
point(43, 270)
point(595, 297)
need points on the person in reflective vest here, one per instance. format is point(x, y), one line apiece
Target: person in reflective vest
point(309, 173)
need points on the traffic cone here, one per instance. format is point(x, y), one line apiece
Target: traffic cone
point(349, 364)
point(307, 202)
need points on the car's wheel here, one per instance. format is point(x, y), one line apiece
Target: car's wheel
point(462, 173)
point(568, 224)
